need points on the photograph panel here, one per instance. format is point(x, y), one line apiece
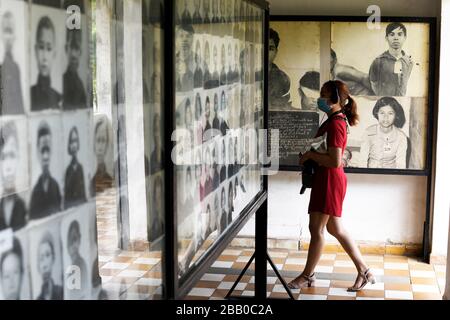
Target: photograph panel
point(46, 265)
point(395, 60)
point(14, 266)
point(15, 64)
point(46, 147)
point(76, 253)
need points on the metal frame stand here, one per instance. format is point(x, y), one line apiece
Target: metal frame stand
point(261, 257)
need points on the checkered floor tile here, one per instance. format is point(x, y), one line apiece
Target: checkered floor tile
point(398, 277)
point(137, 274)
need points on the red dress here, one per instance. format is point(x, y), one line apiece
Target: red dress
point(330, 184)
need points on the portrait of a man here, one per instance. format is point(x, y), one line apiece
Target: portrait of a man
point(11, 101)
point(390, 71)
point(43, 96)
point(46, 196)
point(74, 95)
point(279, 82)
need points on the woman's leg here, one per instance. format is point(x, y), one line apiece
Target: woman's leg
point(317, 223)
point(337, 230)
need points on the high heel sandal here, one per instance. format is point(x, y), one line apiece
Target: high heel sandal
point(367, 277)
point(310, 280)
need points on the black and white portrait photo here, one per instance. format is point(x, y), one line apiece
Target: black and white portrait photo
point(104, 154)
point(13, 175)
point(294, 50)
point(14, 271)
point(75, 243)
point(46, 265)
point(78, 166)
point(74, 92)
point(198, 73)
point(206, 59)
point(46, 196)
point(184, 57)
point(13, 63)
point(47, 63)
point(391, 134)
point(395, 59)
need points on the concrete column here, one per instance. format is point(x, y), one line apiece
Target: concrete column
point(134, 115)
point(441, 195)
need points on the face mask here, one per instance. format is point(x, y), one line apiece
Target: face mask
point(323, 106)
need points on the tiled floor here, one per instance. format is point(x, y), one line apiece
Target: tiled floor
point(398, 277)
point(125, 274)
point(137, 274)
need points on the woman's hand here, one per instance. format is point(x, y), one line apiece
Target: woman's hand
point(305, 157)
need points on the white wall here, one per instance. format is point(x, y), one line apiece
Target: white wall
point(378, 208)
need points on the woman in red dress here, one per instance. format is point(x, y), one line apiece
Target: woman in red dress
point(330, 184)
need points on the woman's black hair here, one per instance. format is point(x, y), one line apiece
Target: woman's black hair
point(400, 118)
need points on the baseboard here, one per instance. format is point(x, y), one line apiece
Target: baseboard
point(365, 247)
point(291, 244)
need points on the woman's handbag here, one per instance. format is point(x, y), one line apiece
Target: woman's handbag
point(308, 171)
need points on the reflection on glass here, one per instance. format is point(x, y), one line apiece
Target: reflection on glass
point(224, 107)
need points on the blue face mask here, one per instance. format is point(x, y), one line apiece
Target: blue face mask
point(323, 106)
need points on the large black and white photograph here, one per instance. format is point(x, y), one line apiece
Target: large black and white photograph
point(392, 83)
point(391, 134)
point(14, 173)
point(78, 165)
point(75, 245)
point(47, 159)
point(46, 265)
point(393, 71)
point(60, 65)
point(14, 65)
point(395, 60)
point(46, 148)
point(294, 83)
point(14, 266)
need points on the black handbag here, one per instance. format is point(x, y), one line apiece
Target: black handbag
point(309, 169)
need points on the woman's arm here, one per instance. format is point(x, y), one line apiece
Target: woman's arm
point(331, 159)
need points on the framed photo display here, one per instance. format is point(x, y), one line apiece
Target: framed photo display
point(218, 115)
point(389, 69)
